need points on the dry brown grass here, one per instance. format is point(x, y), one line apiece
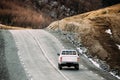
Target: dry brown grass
point(4, 27)
point(92, 26)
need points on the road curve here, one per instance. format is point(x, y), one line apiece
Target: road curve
point(37, 50)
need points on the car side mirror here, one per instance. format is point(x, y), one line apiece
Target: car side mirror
point(58, 54)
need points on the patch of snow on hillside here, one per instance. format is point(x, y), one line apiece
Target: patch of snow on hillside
point(95, 63)
point(118, 46)
point(108, 31)
point(80, 50)
point(115, 75)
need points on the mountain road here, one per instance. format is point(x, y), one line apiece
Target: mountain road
point(37, 51)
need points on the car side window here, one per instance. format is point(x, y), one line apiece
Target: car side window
point(63, 53)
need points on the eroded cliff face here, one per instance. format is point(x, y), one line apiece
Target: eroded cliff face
point(40, 13)
point(99, 31)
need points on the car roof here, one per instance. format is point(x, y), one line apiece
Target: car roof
point(68, 50)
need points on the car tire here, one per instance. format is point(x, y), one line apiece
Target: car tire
point(59, 67)
point(77, 67)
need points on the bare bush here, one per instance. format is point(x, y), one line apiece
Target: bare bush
point(16, 14)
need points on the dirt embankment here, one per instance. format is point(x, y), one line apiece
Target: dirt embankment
point(99, 31)
point(5, 27)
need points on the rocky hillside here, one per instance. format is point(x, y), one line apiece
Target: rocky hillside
point(99, 31)
point(40, 13)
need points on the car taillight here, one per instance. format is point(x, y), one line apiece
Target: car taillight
point(78, 58)
point(60, 59)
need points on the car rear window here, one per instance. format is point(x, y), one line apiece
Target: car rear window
point(68, 52)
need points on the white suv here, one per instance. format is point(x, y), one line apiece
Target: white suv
point(68, 58)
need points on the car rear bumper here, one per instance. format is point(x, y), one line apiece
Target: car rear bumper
point(69, 64)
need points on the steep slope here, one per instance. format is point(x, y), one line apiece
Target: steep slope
point(99, 31)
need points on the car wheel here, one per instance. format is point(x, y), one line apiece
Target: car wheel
point(59, 67)
point(77, 67)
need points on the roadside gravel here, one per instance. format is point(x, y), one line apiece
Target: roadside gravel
point(4, 75)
